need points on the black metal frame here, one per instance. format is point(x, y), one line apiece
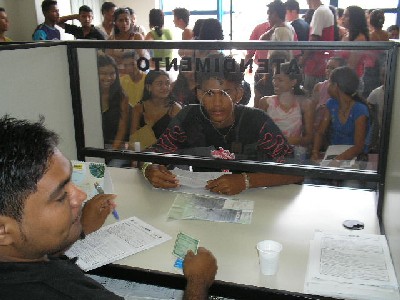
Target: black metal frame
point(220, 288)
point(310, 171)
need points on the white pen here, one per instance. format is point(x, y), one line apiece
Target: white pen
point(100, 190)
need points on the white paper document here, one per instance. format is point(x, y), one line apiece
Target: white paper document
point(198, 207)
point(195, 182)
point(114, 242)
point(351, 266)
point(335, 150)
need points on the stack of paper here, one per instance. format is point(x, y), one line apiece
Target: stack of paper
point(351, 266)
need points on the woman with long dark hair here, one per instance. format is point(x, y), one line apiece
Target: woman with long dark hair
point(363, 62)
point(157, 107)
point(347, 116)
point(114, 103)
point(355, 22)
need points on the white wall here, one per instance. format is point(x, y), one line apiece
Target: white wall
point(36, 81)
point(392, 191)
point(22, 17)
point(89, 82)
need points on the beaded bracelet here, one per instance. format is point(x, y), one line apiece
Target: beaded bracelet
point(246, 180)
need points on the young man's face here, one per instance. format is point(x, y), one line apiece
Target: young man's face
point(123, 22)
point(272, 17)
point(52, 14)
point(109, 15)
point(219, 98)
point(393, 34)
point(176, 21)
point(130, 66)
point(86, 19)
point(3, 21)
point(291, 15)
point(51, 216)
point(133, 19)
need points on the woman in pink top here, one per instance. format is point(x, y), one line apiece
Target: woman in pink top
point(292, 112)
point(320, 93)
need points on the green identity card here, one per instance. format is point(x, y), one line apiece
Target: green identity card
point(184, 243)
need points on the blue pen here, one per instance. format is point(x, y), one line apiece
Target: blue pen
point(100, 190)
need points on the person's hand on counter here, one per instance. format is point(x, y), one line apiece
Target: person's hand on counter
point(159, 176)
point(199, 271)
point(228, 184)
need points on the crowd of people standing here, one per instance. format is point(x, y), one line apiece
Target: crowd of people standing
point(297, 98)
point(305, 102)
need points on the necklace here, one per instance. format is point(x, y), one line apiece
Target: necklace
point(226, 134)
point(344, 112)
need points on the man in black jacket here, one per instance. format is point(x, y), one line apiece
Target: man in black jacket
point(41, 216)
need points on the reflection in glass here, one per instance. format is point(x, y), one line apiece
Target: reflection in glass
point(205, 130)
point(291, 109)
point(347, 118)
point(218, 121)
point(154, 111)
point(114, 104)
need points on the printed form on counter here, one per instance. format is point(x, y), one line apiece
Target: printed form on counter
point(114, 242)
point(351, 266)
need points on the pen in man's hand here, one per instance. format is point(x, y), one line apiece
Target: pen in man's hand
point(100, 190)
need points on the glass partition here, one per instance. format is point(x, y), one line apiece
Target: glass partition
point(315, 108)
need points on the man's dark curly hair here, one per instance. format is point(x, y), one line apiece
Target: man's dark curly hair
point(25, 150)
point(220, 67)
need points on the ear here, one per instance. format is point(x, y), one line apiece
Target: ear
point(8, 230)
point(239, 94)
point(199, 93)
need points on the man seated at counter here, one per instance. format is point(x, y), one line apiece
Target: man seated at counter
point(219, 121)
point(41, 215)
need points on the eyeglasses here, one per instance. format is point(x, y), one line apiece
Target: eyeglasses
point(225, 94)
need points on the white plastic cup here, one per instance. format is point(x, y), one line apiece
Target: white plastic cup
point(137, 146)
point(268, 253)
